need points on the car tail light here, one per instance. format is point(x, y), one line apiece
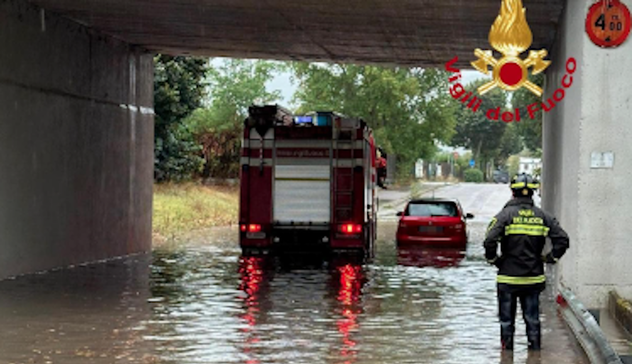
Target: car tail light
point(458, 226)
point(243, 228)
point(350, 229)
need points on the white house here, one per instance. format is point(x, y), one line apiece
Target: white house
point(529, 165)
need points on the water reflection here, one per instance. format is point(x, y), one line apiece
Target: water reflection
point(351, 278)
point(203, 303)
point(310, 296)
point(419, 256)
point(533, 357)
point(255, 274)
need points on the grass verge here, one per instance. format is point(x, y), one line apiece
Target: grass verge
point(186, 207)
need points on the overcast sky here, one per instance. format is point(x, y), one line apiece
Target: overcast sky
point(282, 82)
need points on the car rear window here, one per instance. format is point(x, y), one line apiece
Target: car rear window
point(432, 209)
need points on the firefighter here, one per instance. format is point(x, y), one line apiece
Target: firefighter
point(381, 168)
point(521, 229)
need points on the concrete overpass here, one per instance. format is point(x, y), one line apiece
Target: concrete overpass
point(76, 131)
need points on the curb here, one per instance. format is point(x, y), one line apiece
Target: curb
point(586, 329)
point(431, 189)
point(621, 310)
point(396, 204)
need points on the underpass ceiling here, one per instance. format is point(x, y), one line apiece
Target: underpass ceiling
point(405, 32)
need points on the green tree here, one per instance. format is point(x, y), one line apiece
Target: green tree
point(474, 131)
point(178, 90)
point(530, 130)
point(234, 85)
point(511, 143)
point(408, 109)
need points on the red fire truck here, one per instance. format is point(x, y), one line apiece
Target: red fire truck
point(307, 182)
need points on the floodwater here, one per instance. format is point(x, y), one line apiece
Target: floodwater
point(203, 303)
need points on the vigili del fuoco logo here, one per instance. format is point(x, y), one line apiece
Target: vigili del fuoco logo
point(511, 36)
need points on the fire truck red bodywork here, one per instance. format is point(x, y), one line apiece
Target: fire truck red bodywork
point(308, 186)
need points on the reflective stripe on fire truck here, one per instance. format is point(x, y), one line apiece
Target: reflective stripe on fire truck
point(256, 144)
point(325, 144)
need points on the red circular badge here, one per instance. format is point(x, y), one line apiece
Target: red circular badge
point(511, 74)
point(608, 23)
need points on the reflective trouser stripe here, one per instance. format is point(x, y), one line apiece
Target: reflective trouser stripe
point(533, 230)
point(520, 280)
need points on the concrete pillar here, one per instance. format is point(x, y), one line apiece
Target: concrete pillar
point(592, 204)
point(76, 143)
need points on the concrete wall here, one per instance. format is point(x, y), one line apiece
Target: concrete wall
point(76, 143)
point(592, 204)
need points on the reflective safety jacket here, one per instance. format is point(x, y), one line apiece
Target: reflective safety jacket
point(521, 229)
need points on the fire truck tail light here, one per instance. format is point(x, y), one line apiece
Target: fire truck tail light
point(250, 228)
point(351, 229)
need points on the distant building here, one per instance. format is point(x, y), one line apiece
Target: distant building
point(459, 150)
point(529, 165)
point(419, 169)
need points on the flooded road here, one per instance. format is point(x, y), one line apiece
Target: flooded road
point(203, 303)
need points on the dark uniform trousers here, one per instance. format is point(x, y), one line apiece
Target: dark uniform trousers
point(530, 305)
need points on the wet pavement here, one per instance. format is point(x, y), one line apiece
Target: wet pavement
point(203, 303)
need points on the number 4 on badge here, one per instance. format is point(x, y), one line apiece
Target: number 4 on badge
point(608, 23)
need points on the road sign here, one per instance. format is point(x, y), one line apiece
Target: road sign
point(472, 163)
point(608, 23)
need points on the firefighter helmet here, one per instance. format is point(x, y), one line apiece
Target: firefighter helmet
point(524, 184)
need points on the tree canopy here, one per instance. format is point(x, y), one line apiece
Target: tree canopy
point(233, 86)
point(408, 109)
point(178, 90)
point(530, 130)
point(490, 140)
point(475, 131)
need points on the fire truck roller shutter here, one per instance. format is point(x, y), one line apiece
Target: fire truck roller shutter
point(302, 193)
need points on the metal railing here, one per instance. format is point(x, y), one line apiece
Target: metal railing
point(586, 329)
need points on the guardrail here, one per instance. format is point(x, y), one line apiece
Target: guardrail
point(586, 329)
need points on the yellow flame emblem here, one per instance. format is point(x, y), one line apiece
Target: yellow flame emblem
point(510, 35)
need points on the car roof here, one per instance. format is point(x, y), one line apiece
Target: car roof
point(433, 199)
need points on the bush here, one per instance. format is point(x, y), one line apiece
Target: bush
point(177, 156)
point(218, 132)
point(474, 175)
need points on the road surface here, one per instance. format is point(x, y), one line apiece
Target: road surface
point(203, 303)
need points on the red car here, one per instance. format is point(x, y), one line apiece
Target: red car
point(433, 222)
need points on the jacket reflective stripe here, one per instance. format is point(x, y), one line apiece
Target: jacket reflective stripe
point(532, 230)
point(491, 224)
point(520, 280)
